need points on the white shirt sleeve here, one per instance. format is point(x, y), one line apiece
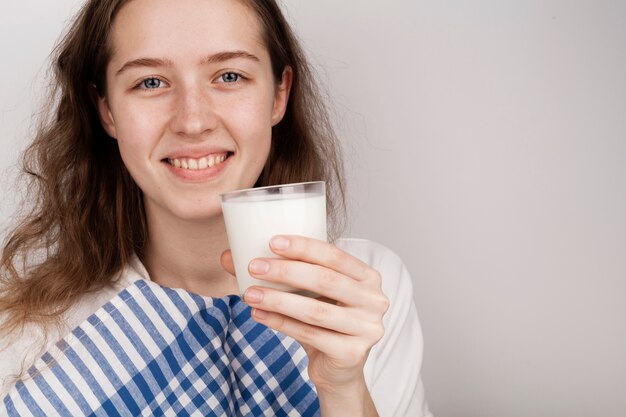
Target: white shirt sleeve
point(393, 368)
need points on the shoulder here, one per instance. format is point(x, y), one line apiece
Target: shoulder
point(366, 250)
point(20, 349)
point(17, 349)
point(395, 278)
point(372, 253)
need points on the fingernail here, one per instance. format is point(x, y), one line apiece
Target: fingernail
point(258, 266)
point(280, 243)
point(259, 314)
point(253, 296)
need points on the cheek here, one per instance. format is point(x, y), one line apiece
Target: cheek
point(252, 118)
point(136, 140)
point(136, 130)
point(251, 127)
point(255, 137)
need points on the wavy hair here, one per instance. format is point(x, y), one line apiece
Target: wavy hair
point(87, 217)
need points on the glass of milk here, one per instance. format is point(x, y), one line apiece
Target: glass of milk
point(255, 215)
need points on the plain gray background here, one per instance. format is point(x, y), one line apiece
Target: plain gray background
point(486, 144)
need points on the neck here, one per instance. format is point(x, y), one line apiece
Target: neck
point(186, 255)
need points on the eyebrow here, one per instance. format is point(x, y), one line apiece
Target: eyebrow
point(228, 55)
point(211, 59)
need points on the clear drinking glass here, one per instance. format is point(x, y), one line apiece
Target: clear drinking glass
point(255, 215)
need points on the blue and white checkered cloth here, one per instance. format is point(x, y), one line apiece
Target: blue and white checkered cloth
point(154, 351)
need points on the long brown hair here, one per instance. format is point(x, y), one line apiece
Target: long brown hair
point(87, 217)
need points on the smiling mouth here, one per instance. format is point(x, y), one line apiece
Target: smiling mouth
point(194, 164)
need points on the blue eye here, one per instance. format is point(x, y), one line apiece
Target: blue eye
point(151, 83)
point(230, 77)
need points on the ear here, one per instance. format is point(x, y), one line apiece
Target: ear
point(282, 96)
point(106, 117)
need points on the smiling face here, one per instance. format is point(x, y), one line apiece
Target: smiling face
point(191, 100)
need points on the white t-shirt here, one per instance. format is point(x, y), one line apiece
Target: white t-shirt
point(392, 370)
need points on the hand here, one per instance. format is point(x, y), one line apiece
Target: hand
point(336, 335)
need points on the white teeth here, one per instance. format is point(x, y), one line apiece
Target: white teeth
point(197, 164)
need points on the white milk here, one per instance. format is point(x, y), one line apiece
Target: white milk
point(251, 221)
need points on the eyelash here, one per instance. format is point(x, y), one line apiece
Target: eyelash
point(238, 75)
point(141, 84)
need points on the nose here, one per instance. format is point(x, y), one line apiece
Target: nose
point(194, 113)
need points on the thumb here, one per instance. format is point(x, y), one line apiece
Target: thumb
point(227, 261)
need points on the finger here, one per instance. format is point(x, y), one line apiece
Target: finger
point(323, 253)
point(316, 279)
point(226, 259)
point(345, 351)
point(317, 313)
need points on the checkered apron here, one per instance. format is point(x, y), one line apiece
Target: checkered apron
point(154, 351)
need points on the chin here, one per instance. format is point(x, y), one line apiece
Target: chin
point(199, 211)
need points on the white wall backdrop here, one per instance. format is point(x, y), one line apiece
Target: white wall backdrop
point(486, 144)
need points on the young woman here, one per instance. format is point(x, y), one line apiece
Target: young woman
point(122, 268)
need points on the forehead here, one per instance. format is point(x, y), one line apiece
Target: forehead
point(183, 27)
